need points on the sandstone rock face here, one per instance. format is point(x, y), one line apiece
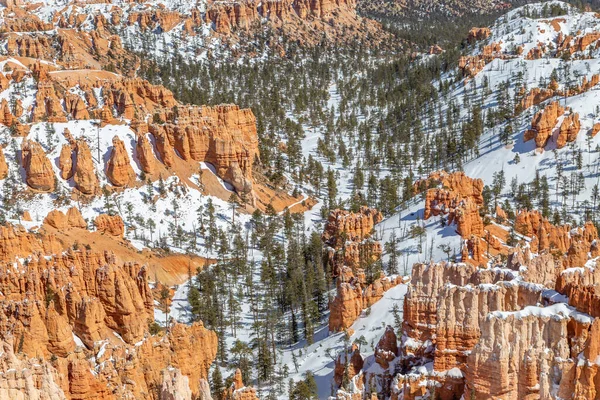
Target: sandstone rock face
point(75, 219)
point(27, 379)
point(227, 18)
point(110, 224)
point(387, 348)
point(347, 237)
point(569, 128)
point(204, 390)
point(472, 65)
point(545, 122)
point(478, 34)
point(595, 129)
point(350, 363)
point(85, 177)
point(175, 386)
point(145, 155)
point(536, 334)
point(235, 176)
point(519, 331)
point(65, 162)
point(547, 237)
point(458, 199)
point(353, 295)
point(351, 226)
point(536, 96)
point(238, 391)
point(457, 182)
point(6, 116)
point(580, 285)
point(116, 303)
point(119, 170)
point(58, 220)
point(223, 136)
point(48, 104)
point(38, 169)
point(58, 295)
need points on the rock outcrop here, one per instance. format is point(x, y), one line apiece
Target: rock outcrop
point(348, 364)
point(347, 236)
point(562, 239)
point(73, 219)
point(476, 34)
point(223, 136)
point(110, 224)
point(536, 96)
point(118, 169)
point(65, 162)
point(3, 165)
point(56, 219)
point(38, 169)
point(539, 331)
point(89, 315)
point(545, 122)
point(344, 225)
point(458, 200)
point(521, 326)
point(518, 331)
point(175, 386)
point(85, 177)
point(353, 295)
point(27, 378)
point(145, 155)
point(569, 128)
point(239, 391)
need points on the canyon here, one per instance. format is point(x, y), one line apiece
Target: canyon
point(87, 314)
point(506, 322)
point(286, 199)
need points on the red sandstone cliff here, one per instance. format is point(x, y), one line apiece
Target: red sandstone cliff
point(455, 196)
point(38, 170)
point(347, 236)
point(353, 295)
point(58, 296)
point(525, 326)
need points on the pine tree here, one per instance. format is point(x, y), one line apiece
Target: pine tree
point(331, 189)
point(391, 249)
point(217, 386)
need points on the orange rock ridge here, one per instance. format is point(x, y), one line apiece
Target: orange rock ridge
point(348, 238)
point(460, 317)
point(110, 224)
point(119, 170)
point(548, 237)
point(543, 299)
point(57, 296)
point(224, 135)
point(478, 34)
point(458, 198)
point(38, 169)
point(353, 295)
point(239, 391)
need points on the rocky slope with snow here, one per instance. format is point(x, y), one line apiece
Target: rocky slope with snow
point(94, 34)
point(114, 191)
point(512, 315)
